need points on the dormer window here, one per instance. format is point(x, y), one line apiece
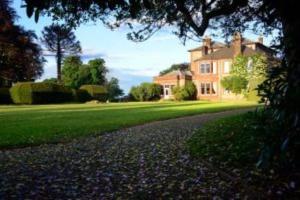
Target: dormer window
point(205, 68)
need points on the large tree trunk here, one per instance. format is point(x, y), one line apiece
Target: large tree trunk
point(291, 42)
point(58, 62)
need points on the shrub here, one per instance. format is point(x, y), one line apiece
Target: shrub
point(187, 92)
point(146, 92)
point(40, 93)
point(5, 96)
point(96, 92)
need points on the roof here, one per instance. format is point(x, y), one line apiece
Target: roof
point(178, 72)
point(215, 44)
point(227, 52)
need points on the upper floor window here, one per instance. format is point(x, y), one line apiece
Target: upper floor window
point(227, 66)
point(205, 68)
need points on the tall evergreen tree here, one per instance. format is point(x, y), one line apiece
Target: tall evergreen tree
point(60, 40)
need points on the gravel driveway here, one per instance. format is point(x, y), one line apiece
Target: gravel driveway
point(142, 162)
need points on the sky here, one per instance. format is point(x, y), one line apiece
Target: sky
point(132, 63)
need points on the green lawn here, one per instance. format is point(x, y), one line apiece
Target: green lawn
point(231, 142)
point(37, 124)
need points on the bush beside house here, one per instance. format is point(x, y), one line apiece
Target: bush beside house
point(146, 92)
point(186, 92)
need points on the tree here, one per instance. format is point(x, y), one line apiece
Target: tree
point(146, 92)
point(20, 57)
point(234, 83)
point(71, 70)
point(61, 40)
point(113, 89)
point(50, 80)
point(181, 66)
point(75, 73)
point(247, 73)
point(98, 71)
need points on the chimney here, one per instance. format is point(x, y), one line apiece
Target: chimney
point(237, 44)
point(207, 45)
point(260, 40)
point(204, 50)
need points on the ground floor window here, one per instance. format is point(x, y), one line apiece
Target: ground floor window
point(208, 88)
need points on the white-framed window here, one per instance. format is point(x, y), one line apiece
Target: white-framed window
point(208, 88)
point(227, 66)
point(205, 68)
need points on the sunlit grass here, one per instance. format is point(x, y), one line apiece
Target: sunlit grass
point(33, 125)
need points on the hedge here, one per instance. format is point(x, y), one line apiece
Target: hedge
point(40, 93)
point(81, 95)
point(97, 92)
point(5, 96)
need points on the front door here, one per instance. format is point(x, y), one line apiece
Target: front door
point(167, 91)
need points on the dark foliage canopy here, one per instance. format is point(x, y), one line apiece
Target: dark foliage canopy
point(20, 57)
point(76, 74)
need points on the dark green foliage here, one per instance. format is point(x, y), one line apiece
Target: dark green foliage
point(187, 92)
point(5, 96)
point(181, 66)
point(146, 92)
point(75, 73)
point(113, 89)
point(282, 95)
point(70, 71)
point(50, 80)
point(97, 92)
point(81, 95)
point(98, 71)
point(236, 84)
point(21, 58)
point(40, 93)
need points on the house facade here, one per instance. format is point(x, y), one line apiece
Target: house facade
point(209, 63)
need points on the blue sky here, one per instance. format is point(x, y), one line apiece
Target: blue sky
point(130, 62)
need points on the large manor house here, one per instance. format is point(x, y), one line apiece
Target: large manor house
point(209, 63)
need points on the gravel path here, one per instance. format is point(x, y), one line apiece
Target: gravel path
point(142, 162)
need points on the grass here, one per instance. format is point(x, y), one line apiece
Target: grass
point(37, 124)
point(232, 142)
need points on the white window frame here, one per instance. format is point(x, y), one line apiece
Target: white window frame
point(211, 87)
point(206, 68)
